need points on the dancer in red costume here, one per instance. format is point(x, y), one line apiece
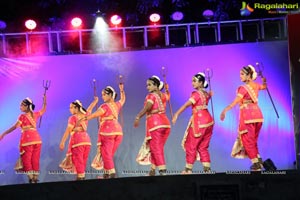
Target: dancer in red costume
point(30, 143)
point(157, 124)
point(80, 144)
point(251, 118)
point(110, 131)
point(200, 127)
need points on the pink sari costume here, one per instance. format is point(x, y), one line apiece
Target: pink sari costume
point(30, 144)
point(250, 123)
point(157, 132)
point(78, 149)
point(109, 138)
point(199, 130)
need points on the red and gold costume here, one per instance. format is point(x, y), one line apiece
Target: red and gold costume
point(250, 123)
point(30, 144)
point(199, 130)
point(157, 132)
point(109, 138)
point(79, 147)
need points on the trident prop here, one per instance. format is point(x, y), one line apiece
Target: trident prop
point(164, 75)
point(260, 69)
point(46, 85)
point(120, 80)
point(209, 75)
point(95, 88)
point(95, 94)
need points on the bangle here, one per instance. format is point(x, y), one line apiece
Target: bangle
point(137, 118)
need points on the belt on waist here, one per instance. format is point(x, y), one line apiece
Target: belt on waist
point(78, 130)
point(27, 129)
point(245, 105)
point(197, 108)
point(107, 119)
point(150, 114)
point(247, 102)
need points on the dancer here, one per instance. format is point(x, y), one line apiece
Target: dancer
point(251, 118)
point(30, 143)
point(200, 127)
point(157, 124)
point(110, 131)
point(80, 144)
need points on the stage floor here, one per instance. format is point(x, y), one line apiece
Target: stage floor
point(235, 185)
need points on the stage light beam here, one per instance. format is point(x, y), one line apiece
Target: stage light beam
point(100, 34)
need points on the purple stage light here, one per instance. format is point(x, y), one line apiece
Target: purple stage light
point(2, 25)
point(208, 14)
point(177, 16)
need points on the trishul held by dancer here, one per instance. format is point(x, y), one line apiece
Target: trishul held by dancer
point(95, 95)
point(121, 82)
point(209, 75)
point(46, 85)
point(260, 69)
point(166, 85)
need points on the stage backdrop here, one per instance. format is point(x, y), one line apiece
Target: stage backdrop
point(72, 77)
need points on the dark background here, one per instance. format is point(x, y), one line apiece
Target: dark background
point(54, 14)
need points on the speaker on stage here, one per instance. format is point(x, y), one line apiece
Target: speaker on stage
point(269, 165)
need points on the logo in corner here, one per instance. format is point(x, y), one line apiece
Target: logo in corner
point(246, 10)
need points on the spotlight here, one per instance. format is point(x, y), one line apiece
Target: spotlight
point(154, 17)
point(30, 24)
point(98, 13)
point(2, 25)
point(208, 14)
point(115, 20)
point(177, 16)
point(76, 22)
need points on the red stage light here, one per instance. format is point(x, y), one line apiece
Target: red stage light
point(154, 17)
point(116, 20)
point(30, 24)
point(76, 22)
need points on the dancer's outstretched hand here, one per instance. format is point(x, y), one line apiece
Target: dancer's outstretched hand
point(222, 116)
point(61, 146)
point(174, 119)
point(136, 122)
